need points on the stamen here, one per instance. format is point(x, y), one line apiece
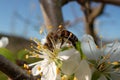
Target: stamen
point(115, 63)
point(41, 31)
point(29, 71)
point(53, 42)
point(58, 70)
point(60, 26)
point(27, 56)
point(68, 38)
point(64, 77)
point(49, 27)
point(75, 78)
point(41, 74)
point(38, 79)
point(38, 47)
point(26, 66)
point(39, 68)
point(97, 47)
point(108, 54)
point(37, 56)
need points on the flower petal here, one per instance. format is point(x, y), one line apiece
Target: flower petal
point(114, 50)
point(70, 65)
point(49, 72)
point(64, 55)
point(83, 72)
point(115, 76)
point(4, 42)
point(89, 47)
point(41, 64)
point(102, 78)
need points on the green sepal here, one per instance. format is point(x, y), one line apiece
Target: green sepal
point(65, 48)
point(72, 77)
point(96, 75)
point(58, 63)
point(78, 47)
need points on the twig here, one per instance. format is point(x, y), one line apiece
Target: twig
point(13, 71)
point(113, 2)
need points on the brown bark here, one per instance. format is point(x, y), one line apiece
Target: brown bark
point(90, 18)
point(89, 29)
point(13, 71)
point(52, 13)
point(113, 2)
point(63, 2)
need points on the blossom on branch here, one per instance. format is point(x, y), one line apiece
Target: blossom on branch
point(104, 61)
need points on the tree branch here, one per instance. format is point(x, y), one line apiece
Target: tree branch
point(13, 71)
point(96, 12)
point(52, 13)
point(113, 2)
point(63, 2)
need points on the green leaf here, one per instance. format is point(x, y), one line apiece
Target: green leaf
point(93, 62)
point(78, 47)
point(58, 63)
point(7, 54)
point(72, 77)
point(3, 76)
point(21, 54)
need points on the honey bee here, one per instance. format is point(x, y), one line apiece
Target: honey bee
point(61, 35)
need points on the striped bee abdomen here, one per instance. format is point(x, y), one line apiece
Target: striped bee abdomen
point(70, 36)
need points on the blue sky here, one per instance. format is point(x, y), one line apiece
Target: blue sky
point(108, 27)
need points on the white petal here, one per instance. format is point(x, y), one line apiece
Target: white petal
point(115, 76)
point(83, 72)
point(41, 64)
point(43, 40)
point(49, 72)
point(102, 78)
point(35, 70)
point(69, 66)
point(4, 42)
point(64, 55)
point(89, 47)
point(114, 50)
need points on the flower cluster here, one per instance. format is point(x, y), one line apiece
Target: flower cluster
point(85, 62)
point(104, 61)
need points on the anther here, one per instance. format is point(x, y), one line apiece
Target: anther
point(27, 56)
point(26, 66)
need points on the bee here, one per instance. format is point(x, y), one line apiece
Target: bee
point(61, 35)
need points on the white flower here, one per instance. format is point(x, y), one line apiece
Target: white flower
point(4, 42)
point(69, 66)
point(89, 47)
point(83, 71)
point(104, 61)
point(46, 68)
point(77, 67)
point(52, 60)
